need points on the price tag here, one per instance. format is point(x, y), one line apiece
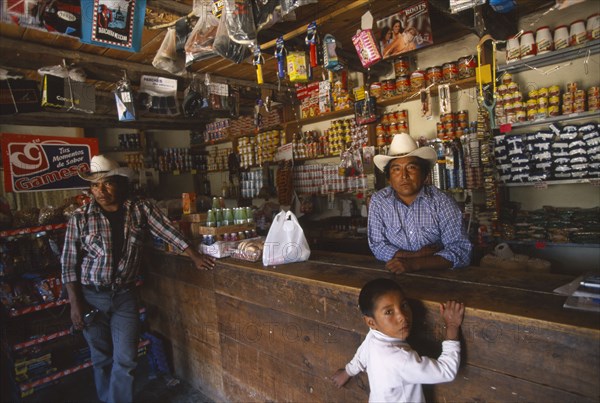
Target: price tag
point(506, 128)
point(176, 172)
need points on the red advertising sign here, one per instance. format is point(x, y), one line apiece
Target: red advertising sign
point(36, 163)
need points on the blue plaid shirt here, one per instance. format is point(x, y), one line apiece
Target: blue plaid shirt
point(433, 218)
point(88, 251)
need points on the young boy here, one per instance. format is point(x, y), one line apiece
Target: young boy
point(395, 371)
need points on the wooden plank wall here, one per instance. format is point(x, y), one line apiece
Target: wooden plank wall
point(242, 334)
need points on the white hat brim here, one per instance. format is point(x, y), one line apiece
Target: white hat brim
point(427, 153)
point(96, 176)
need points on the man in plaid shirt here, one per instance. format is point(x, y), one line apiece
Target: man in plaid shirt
point(413, 226)
point(101, 260)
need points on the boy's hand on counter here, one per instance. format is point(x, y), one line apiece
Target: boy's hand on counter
point(202, 262)
point(340, 378)
point(453, 313)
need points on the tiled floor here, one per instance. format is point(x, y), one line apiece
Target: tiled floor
point(80, 387)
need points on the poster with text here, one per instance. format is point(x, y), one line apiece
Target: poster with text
point(36, 163)
point(113, 23)
point(405, 31)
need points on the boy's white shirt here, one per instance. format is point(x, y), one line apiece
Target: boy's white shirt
point(396, 371)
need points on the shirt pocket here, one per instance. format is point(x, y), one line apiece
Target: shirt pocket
point(93, 245)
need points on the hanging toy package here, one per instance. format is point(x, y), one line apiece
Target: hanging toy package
point(366, 47)
point(364, 107)
point(280, 55)
point(330, 58)
point(297, 67)
point(124, 99)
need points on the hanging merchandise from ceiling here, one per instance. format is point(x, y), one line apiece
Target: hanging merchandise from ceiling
point(113, 23)
point(58, 16)
point(167, 58)
point(199, 44)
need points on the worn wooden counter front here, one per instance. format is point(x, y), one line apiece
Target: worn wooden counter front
point(243, 332)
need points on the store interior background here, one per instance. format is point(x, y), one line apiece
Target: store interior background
point(564, 258)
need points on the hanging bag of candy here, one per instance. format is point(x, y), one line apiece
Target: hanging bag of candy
point(366, 47)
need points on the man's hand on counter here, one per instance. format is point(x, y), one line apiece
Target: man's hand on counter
point(424, 259)
point(202, 262)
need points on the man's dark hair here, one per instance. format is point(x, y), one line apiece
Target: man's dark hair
point(423, 164)
point(372, 291)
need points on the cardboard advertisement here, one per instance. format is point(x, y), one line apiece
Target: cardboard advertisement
point(405, 31)
point(37, 163)
point(113, 23)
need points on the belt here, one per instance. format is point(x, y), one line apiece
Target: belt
point(110, 288)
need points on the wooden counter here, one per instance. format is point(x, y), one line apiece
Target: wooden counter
point(243, 332)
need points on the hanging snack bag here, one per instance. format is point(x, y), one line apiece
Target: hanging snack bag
point(297, 66)
point(366, 47)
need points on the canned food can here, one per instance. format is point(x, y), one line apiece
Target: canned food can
point(554, 90)
point(579, 95)
point(543, 92)
point(512, 87)
point(533, 94)
point(567, 108)
point(462, 115)
point(417, 80)
point(517, 96)
point(389, 88)
point(554, 100)
point(375, 90)
point(577, 33)
point(401, 66)
point(403, 85)
point(450, 71)
point(513, 49)
point(543, 40)
point(567, 97)
point(527, 45)
point(553, 110)
point(579, 106)
point(466, 66)
point(561, 37)
point(502, 89)
point(433, 75)
point(542, 102)
point(593, 26)
point(521, 116)
point(593, 91)
point(507, 78)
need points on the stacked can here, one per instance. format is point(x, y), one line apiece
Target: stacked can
point(308, 178)
point(247, 151)
point(267, 144)
point(217, 159)
point(453, 125)
point(509, 102)
point(391, 123)
point(217, 130)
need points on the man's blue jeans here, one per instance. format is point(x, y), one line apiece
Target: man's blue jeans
point(113, 337)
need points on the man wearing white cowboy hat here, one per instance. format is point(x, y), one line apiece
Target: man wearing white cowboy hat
point(413, 226)
point(101, 260)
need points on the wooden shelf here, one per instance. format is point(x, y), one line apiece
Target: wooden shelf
point(31, 230)
point(414, 95)
point(27, 388)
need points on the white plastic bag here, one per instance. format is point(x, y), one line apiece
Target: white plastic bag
point(285, 242)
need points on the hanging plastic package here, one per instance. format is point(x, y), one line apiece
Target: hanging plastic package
point(297, 66)
point(366, 47)
point(125, 100)
point(239, 21)
point(285, 242)
point(311, 40)
point(330, 59)
point(280, 55)
point(199, 45)
point(167, 58)
point(265, 13)
point(289, 6)
point(225, 47)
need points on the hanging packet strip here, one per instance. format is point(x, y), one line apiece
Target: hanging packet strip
point(366, 47)
point(113, 23)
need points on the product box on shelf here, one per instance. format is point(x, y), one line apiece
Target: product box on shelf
point(226, 229)
point(219, 249)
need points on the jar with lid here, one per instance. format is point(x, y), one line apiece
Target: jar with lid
point(527, 45)
point(543, 40)
point(401, 66)
point(577, 33)
point(433, 75)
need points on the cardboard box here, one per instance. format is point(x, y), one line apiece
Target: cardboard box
point(68, 94)
point(19, 96)
point(219, 249)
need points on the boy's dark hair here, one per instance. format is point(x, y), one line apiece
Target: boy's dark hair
point(372, 291)
point(421, 162)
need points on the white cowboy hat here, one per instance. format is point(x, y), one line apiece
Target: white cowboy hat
point(405, 146)
point(102, 167)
